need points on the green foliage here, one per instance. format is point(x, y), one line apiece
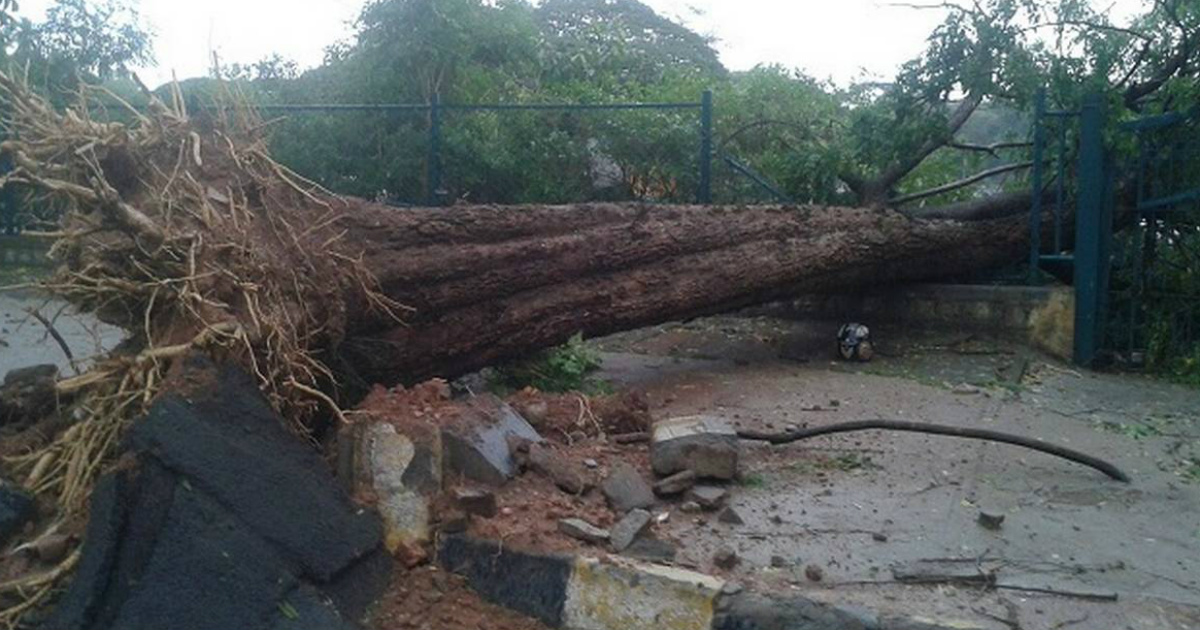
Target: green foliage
point(79, 40)
point(566, 368)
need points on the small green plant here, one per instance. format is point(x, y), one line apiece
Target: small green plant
point(846, 463)
point(565, 368)
point(1135, 431)
point(753, 480)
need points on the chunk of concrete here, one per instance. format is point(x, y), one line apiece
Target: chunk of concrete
point(568, 476)
point(476, 501)
point(629, 528)
point(622, 594)
point(729, 516)
point(705, 445)
point(626, 490)
point(582, 530)
point(403, 476)
point(675, 484)
point(651, 549)
point(708, 497)
point(477, 440)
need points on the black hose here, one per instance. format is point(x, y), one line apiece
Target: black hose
point(938, 429)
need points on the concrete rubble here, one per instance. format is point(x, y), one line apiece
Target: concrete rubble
point(628, 529)
point(626, 489)
point(705, 445)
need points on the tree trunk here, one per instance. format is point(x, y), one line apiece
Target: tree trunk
point(492, 283)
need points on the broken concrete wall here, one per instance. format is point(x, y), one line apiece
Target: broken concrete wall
point(223, 520)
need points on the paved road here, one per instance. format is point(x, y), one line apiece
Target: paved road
point(831, 502)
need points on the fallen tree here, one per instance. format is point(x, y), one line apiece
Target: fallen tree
point(183, 230)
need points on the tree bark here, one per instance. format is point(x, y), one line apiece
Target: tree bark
point(493, 283)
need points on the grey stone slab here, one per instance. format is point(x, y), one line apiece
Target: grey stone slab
point(629, 529)
point(477, 442)
point(626, 490)
point(705, 445)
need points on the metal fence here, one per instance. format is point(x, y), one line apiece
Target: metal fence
point(437, 113)
point(1133, 301)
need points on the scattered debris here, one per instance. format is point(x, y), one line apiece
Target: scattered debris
point(966, 389)
point(568, 476)
point(689, 507)
point(729, 516)
point(990, 519)
point(626, 490)
point(476, 501)
point(814, 573)
point(651, 549)
point(591, 463)
point(675, 484)
point(726, 559)
point(966, 571)
point(705, 445)
point(476, 439)
point(629, 528)
point(710, 498)
point(583, 530)
point(632, 438)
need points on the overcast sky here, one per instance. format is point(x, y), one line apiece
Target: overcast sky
point(837, 39)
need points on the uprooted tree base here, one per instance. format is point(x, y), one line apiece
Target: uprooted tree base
point(185, 232)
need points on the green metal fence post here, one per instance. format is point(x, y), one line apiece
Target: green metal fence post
point(1039, 164)
point(1092, 234)
point(706, 147)
point(435, 151)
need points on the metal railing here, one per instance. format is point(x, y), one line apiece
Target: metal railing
point(436, 110)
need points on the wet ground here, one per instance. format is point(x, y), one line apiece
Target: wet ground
point(25, 341)
point(860, 506)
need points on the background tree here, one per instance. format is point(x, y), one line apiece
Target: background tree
point(78, 41)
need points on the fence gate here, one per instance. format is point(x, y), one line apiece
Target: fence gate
point(1135, 254)
point(1154, 292)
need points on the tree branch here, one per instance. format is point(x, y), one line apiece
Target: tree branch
point(990, 149)
point(962, 183)
point(875, 191)
point(1098, 26)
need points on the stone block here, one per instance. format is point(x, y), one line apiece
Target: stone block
point(708, 497)
point(626, 490)
point(705, 445)
point(477, 441)
point(675, 484)
point(566, 474)
point(629, 529)
point(476, 501)
point(604, 596)
point(580, 529)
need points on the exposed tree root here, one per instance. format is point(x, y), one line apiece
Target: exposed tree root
point(189, 236)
